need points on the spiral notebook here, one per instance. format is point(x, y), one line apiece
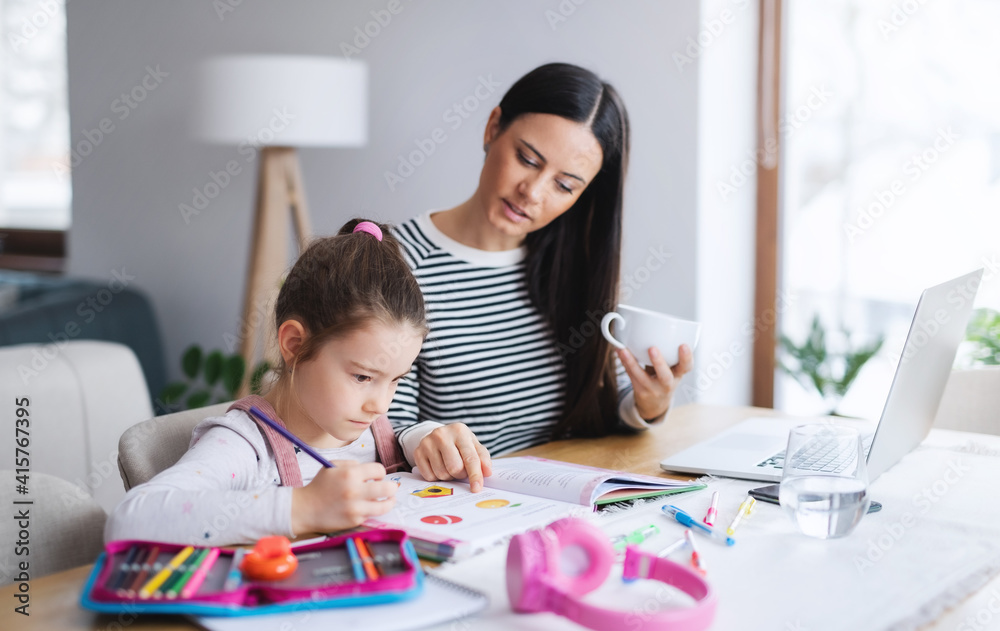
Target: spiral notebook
point(442, 601)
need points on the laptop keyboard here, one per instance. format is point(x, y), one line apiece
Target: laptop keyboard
point(822, 457)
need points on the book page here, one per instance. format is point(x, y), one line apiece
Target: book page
point(450, 512)
point(546, 478)
point(570, 482)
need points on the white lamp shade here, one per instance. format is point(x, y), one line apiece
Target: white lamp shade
point(282, 100)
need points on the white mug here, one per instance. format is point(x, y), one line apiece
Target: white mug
point(639, 329)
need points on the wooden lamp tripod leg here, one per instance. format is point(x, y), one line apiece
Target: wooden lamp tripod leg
point(279, 190)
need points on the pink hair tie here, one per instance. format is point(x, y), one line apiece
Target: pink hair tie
point(370, 228)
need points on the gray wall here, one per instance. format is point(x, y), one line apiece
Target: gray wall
point(126, 193)
point(726, 216)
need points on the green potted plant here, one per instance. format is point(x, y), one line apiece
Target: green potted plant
point(212, 377)
point(817, 367)
point(984, 333)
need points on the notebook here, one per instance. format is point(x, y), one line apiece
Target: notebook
point(446, 521)
point(441, 601)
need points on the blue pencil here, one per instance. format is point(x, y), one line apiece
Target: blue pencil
point(115, 582)
point(292, 437)
point(352, 551)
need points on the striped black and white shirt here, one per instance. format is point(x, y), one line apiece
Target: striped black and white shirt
point(489, 360)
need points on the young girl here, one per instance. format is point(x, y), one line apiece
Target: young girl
point(350, 321)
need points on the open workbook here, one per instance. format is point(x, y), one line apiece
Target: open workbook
point(445, 520)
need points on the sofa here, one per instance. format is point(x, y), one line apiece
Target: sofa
point(51, 310)
point(78, 397)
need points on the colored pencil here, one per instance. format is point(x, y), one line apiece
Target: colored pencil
point(352, 552)
point(376, 559)
point(366, 559)
point(199, 576)
point(154, 583)
point(115, 580)
point(147, 566)
point(178, 579)
point(179, 573)
point(295, 440)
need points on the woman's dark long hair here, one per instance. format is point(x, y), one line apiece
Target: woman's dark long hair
point(573, 263)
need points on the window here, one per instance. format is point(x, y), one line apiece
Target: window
point(891, 177)
point(35, 188)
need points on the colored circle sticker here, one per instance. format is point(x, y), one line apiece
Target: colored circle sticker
point(441, 519)
point(497, 503)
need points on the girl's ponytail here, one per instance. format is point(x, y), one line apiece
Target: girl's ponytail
point(342, 283)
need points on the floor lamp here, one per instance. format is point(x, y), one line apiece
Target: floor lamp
point(269, 105)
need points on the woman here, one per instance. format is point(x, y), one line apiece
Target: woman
point(514, 278)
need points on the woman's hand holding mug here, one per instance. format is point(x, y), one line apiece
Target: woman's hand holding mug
point(643, 333)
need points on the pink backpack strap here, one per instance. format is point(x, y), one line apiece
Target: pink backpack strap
point(387, 447)
point(284, 451)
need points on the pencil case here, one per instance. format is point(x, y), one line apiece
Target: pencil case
point(325, 577)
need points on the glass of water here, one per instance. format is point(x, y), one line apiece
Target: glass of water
point(824, 480)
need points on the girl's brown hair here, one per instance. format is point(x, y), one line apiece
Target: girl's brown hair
point(341, 283)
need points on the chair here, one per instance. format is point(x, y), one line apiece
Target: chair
point(151, 446)
point(971, 401)
point(65, 527)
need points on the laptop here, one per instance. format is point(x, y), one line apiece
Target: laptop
point(754, 448)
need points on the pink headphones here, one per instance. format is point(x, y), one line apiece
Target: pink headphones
point(536, 584)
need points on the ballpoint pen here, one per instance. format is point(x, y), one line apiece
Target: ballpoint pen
point(713, 510)
point(744, 510)
point(691, 522)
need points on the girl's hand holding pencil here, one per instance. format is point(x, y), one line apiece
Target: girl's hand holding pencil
point(342, 497)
